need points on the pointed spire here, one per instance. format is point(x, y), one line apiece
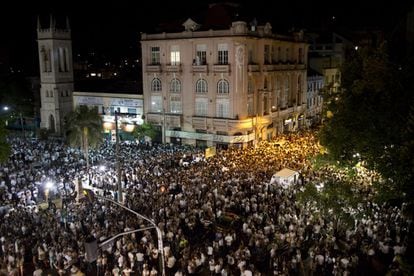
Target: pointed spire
point(52, 22)
point(38, 23)
point(67, 23)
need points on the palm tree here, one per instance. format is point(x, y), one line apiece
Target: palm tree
point(84, 129)
point(143, 130)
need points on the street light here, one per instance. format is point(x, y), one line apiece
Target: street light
point(48, 187)
point(118, 162)
point(159, 234)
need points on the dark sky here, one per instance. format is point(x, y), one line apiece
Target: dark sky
point(112, 27)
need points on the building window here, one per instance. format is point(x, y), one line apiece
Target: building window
point(265, 85)
point(60, 59)
point(156, 85)
point(201, 106)
point(175, 104)
point(287, 57)
point(250, 87)
point(277, 93)
point(132, 111)
point(175, 86)
point(285, 96)
point(250, 106)
point(156, 103)
point(300, 56)
point(250, 56)
point(155, 55)
point(201, 54)
point(279, 54)
point(201, 86)
point(222, 108)
point(223, 87)
point(175, 55)
point(265, 104)
point(223, 54)
point(47, 63)
point(266, 54)
point(299, 96)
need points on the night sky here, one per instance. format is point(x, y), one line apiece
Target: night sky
point(112, 28)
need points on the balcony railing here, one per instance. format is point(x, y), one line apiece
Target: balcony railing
point(200, 68)
point(221, 68)
point(153, 68)
point(173, 68)
point(253, 68)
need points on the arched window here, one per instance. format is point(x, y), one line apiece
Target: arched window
point(201, 86)
point(156, 85)
point(223, 87)
point(175, 86)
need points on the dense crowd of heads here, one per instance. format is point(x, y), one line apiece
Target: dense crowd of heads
point(218, 216)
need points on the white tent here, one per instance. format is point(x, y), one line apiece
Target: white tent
point(285, 177)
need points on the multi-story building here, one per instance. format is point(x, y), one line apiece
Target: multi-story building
point(327, 53)
point(314, 100)
point(221, 87)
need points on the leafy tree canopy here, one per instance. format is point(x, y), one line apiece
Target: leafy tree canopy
point(146, 129)
point(372, 119)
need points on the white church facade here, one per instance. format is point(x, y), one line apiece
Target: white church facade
point(56, 74)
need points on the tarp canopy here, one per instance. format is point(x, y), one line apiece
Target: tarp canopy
point(285, 177)
point(286, 173)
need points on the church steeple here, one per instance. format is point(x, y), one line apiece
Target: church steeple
point(67, 23)
point(56, 73)
point(52, 22)
point(38, 23)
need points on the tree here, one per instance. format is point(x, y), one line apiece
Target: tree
point(370, 119)
point(143, 130)
point(4, 146)
point(335, 200)
point(84, 129)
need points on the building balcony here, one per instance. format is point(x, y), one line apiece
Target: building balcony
point(199, 122)
point(253, 68)
point(173, 68)
point(269, 68)
point(200, 68)
point(153, 68)
point(221, 68)
point(300, 66)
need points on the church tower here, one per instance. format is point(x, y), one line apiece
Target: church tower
point(56, 74)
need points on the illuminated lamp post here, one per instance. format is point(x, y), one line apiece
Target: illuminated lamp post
point(118, 162)
point(48, 186)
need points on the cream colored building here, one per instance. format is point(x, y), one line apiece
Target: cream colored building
point(130, 108)
point(231, 86)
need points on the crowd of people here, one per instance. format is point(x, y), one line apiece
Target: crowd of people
point(218, 216)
